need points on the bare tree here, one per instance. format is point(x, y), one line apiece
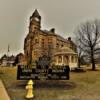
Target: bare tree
point(79, 51)
point(88, 37)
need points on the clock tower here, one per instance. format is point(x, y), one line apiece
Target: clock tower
point(35, 22)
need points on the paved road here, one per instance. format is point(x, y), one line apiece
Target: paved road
point(3, 92)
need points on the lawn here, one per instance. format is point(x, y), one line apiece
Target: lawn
point(81, 86)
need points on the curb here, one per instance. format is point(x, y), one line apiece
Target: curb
point(3, 92)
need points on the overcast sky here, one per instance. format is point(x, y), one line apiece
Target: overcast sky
point(64, 15)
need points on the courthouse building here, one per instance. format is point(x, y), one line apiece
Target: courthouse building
point(39, 42)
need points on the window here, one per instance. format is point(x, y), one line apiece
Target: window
point(35, 27)
point(59, 59)
point(50, 40)
point(27, 53)
point(62, 45)
point(36, 40)
point(57, 45)
point(66, 60)
point(35, 53)
point(42, 43)
point(72, 59)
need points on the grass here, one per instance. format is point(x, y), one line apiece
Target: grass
point(81, 86)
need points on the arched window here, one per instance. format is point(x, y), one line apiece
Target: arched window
point(62, 45)
point(42, 43)
point(57, 45)
point(66, 60)
point(59, 59)
point(36, 40)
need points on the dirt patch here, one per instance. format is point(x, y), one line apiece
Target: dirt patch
point(45, 84)
point(54, 85)
point(18, 85)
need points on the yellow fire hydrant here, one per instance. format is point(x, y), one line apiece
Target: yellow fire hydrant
point(29, 89)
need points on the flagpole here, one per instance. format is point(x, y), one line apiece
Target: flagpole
point(8, 50)
point(8, 54)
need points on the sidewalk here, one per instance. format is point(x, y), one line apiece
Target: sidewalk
point(3, 92)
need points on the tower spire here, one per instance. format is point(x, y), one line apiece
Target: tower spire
point(35, 21)
point(36, 14)
point(8, 50)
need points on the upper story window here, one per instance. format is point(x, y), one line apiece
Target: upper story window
point(27, 53)
point(36, 41)
point(57, 45)
point(49, 40)
point(42, 42)
point(35, 27)
point(62, 45)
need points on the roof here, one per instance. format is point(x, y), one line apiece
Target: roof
point(45, 31)
point(20, 54)
point(65, 50)
point(4, 57)
point(51, 33)
point(97, 51)
point(61, 38)
point(36, 13)
point(11, 58)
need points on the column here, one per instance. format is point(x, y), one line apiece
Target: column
point(70, 60)
point(62, 59)
point(74, 59)
point(57, 60)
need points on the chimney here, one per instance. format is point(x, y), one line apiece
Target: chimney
point(52, 30)
point(69, 38)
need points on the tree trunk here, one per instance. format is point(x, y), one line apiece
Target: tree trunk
point(92, 60)
point(79, 62)
point(93, 66)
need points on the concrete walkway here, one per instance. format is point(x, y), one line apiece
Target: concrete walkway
point(3, 92)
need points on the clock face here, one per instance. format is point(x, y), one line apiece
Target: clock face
point(36, 19)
